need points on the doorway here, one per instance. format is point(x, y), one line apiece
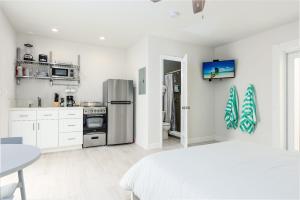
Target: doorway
point(173, 97)
point(293, 102)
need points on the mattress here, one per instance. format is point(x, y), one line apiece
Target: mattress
point(232, 170)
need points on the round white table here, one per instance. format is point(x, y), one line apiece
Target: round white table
point(14, 158)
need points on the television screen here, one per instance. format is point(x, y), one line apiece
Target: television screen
point(218, 69)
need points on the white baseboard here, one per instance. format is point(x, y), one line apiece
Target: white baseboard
point(144, 146)
point(207, 138)
point(154, 146)
point(220, 138)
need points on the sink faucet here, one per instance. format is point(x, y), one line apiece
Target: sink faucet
point(39, 102)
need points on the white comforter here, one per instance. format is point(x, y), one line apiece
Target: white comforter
point(231, 170)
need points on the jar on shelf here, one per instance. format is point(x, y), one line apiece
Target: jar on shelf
point(19, 71)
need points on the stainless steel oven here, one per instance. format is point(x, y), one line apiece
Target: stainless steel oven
point(94, 126)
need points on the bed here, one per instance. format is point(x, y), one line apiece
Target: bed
point(225, 170)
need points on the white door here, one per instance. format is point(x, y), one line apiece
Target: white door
point(26, 130)
point(184, 102)
point(47, 133)
point(293, 102)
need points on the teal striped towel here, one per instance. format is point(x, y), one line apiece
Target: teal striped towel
point(248, 118)
point(232, 110)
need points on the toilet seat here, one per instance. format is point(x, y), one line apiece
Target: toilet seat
point(166, 124)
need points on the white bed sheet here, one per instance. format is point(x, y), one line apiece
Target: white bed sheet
point(226, 170)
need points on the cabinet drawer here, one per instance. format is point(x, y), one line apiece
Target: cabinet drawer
point(69, 139)
point(70, 114)
point(22, 115)
point(70, 125)
point(47, 114)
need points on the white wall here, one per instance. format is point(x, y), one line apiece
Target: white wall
point(254, 65)
point(7, 71)
point(137, 57)
point(97, 64)
point(200, 92)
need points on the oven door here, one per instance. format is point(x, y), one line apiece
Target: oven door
point(93, 123)
point(60, 72)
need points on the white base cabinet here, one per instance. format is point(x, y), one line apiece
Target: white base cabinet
point(47, 133)
point(25, 129)
point(50, 129)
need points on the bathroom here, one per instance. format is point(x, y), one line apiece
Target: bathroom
point(171, 101)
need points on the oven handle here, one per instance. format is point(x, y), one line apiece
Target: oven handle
point(94, 115)
point(120, 102)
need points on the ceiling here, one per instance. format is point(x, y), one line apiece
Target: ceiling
point(123, 22)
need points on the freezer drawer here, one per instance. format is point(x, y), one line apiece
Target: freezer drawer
point(94, 139)
point(120, 124)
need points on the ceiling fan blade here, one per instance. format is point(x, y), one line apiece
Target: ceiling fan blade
point(198, 5)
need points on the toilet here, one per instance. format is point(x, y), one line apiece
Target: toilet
point(165, 127)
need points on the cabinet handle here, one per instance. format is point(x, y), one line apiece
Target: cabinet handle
point(71, 114)
point(71, 138)
point(33, 126)
point(47, 115)
point(23, 115)
point(71, 125)
point(38, 126)
point(185, 107)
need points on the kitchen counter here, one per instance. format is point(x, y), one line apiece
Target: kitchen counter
point(45, 108)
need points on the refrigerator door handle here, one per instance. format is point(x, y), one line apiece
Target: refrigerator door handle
point(120, 102)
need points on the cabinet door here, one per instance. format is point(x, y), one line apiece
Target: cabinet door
point(24, 129)
point(47, 133)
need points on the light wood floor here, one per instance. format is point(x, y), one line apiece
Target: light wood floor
point(88, 174)
point(171, 143)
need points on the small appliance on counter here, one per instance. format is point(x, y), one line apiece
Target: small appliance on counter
point(70, 101)
point(62, 102)
point(28, 52)
point(94, 124)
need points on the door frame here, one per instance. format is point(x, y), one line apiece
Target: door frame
point(279, 91)
point(292, 139)
point(177, 59)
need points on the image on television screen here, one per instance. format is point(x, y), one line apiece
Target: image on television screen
point(219, 69)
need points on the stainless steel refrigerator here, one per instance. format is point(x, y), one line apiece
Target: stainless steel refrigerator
point(118, 97)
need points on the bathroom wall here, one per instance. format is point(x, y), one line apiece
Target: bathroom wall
point(170, 65)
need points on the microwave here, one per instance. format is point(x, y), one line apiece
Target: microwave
point(63, 72)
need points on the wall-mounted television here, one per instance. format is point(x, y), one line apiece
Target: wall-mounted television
point(218, 69)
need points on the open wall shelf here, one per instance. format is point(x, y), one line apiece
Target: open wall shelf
point(43, 70)
point(27, 62)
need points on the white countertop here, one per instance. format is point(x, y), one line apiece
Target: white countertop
point(45, 108)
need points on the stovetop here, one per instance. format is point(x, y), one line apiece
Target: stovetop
point(91, 104)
